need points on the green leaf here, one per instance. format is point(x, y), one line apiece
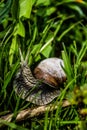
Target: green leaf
point(67, 30)
point(19, 29)
point(34, 55)
point(67, 64)
point(14, 9)
point(11, 125)
point(50, 10)
point(4, 10)
point(12, 50)
point(25, 8)
point(35, 49)
point(77, 8)
point(8, 76)
point(47, 48)
point(43, 2)
point(82, 52)
point(46, 52)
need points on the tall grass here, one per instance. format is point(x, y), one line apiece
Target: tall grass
point(48, 28)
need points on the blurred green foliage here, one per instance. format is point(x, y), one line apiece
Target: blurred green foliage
point(46, 28)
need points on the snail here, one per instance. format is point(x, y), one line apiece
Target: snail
point(42, 86)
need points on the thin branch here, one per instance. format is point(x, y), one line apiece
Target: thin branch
point(32, 112)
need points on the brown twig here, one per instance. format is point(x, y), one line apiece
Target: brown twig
point(29, 113)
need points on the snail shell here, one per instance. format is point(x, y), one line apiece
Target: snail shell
point(51, 71)
point(42, 89)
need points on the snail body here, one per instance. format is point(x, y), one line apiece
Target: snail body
point(42, 88)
